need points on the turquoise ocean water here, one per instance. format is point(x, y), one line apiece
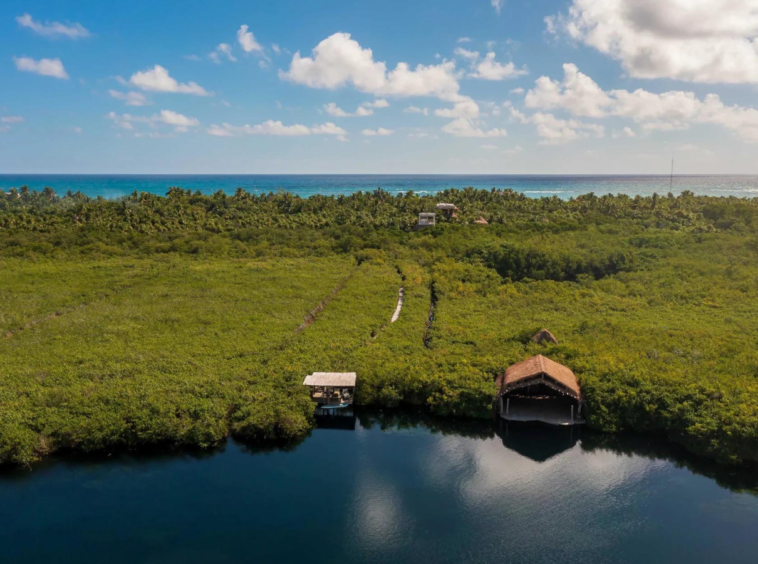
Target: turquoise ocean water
point(114, 186)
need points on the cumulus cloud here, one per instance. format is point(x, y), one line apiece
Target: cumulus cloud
point(158, 79)
point(277, 128)
point(374, 132)
point(378, 103)
point(467, 109)
point(179, 122)
point(416, 110)
point(365, 109)
point(247, 41)
point(53, 29)
point(462, 127)
point(513, 151)
point(130, 98)
point(556, 131)
point(497, 4)
point(577, 93)
point(517, 91)
point(713, 41)
point(470, 56)
point(222, 50)
point(44, 67)
point(464, 40)
point(339, 60)
point(489, 69)
point(666, 111)
point(626, 132)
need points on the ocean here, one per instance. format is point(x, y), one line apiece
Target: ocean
point(115, 186)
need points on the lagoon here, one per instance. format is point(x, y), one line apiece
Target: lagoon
point(397, 488)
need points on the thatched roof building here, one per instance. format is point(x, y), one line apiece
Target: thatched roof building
point(544, 336)
point(539, 370)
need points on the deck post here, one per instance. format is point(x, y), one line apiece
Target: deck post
point(507, 406)
point(501, 405)
point(572, 413)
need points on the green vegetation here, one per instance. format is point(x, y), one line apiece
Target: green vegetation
point(181, 320)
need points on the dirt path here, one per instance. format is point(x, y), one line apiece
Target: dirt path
point(399, 307)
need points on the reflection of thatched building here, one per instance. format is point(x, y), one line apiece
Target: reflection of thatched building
point(539, 389)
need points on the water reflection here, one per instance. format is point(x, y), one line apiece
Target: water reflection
point(401, 487)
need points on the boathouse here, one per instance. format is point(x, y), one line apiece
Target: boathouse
point(539, 389)
point(331, 388)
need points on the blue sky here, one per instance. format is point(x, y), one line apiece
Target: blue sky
point(570, 86)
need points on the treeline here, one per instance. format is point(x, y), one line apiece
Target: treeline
point(186, 210)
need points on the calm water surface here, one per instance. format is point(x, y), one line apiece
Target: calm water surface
point(114, 186)
point(388, 493)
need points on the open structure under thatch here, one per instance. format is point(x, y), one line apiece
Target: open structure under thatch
point(540, 389)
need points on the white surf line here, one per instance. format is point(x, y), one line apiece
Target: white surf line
point(399, 306)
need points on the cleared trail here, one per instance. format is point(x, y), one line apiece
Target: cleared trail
point(396, 315)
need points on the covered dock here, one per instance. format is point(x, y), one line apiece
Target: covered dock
point(540, 389)
point(331, 388)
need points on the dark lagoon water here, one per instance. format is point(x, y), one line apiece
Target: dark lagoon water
point(114, 186)
point(395, 489)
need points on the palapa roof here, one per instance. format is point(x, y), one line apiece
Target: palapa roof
point(444, 206)
point(481, 221)
point(331, 379)
point(537, 366)
point(544, 336)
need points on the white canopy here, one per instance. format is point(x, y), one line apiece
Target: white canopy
point(331, 379)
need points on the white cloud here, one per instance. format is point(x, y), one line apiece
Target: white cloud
point(626, 132)
point(170, 117)
point(464, 40)
point(555, 131)
point(277, 128)
point(365, 109)
point(514, 151)
point(577, 93)
point(53, 29)
point(12, 119)
point(339, 60)
point(497, 4)
point(416, 110)
point(328, 128)
point(490, 69)
point(381, 132)
point(276, 49)
point(222, 50)
point(517, 90)
point(462, 127)
point(130, 98)
point(489, 147)
point(378, 103)
point(158, 79)
point(180, 122)
point(467, 109)
point(247, 41)
point(44, 67)
point(470, 56)
point(667, 111)
point(709, 41)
